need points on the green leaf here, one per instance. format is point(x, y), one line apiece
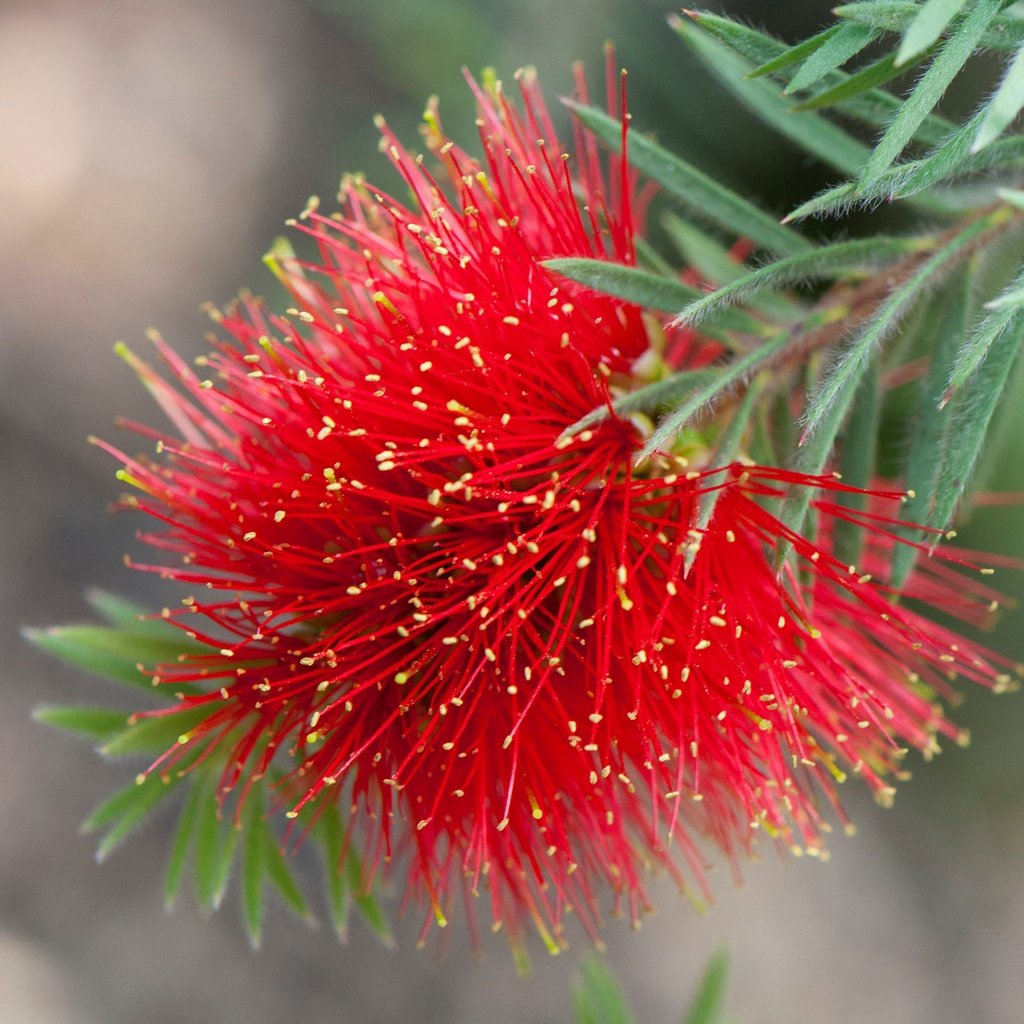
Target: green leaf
point(706, 1007)
point(811, 132)
point(857, 464)
point(280, 874)
point(947, 324)
point(848, 368)
point(181, 843)
point(1004, 312)
point(154, 735)
point(329, 834)
point(642, 287)
point(702, 195)
point(857, 83)
point(838, 49)
point(728, 377)
point(972, 409)
point(1004, 106)
point(703, 253)
point(1006, 32)
point(926, 27)
point(648, 399)
point(793, 54)
point(92, 723)
point(596, 996)
point(827, 262)
point(119, 654)
point(875, 107)
point(207, 841)
point(128, 808)
point(929, 89)
point(254, 866)
point(366, 902)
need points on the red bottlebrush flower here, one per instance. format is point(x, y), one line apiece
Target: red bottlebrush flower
point(478, 630)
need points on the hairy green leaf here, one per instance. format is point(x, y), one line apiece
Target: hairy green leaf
point(1004, 106)
point(946, 322)
point(827, 262)
point(846, 43)
point(972, 409)
point(1006, 32)
point(856, 84)
point(848, 368)
point(811, 132)
point(643, 288)
point(876, 107)
point(728, 377)
point(926, 27)
point(1003, 313)
point(793, 54)
point(254, 866)
point(703, 196)
point(929, 89)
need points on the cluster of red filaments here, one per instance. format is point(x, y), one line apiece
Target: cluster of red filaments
point(510, 651)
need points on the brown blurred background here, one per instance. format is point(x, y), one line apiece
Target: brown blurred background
point(151, 151)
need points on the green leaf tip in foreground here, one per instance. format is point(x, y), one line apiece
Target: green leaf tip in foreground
point(845, 44)
point(1003, 313)
point(698, 192)
point(927, 26)
point(1004, 106)
point(840, 382)
point(597, 997)
point(706, 1007)
point(930, 89)
point(652, 291)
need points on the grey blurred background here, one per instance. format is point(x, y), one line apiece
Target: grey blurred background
point(151, 151)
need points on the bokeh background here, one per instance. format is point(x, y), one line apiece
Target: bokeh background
point(151, 150)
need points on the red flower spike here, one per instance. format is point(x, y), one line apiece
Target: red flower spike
point(478, 631)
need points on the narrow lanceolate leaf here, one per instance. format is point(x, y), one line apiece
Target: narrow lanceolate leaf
point(811, 132)
point(156, 734)
point(926, 27)
point(793, 54)
point(642, 287)
point(948, 317)
point(281, 876)
point(876, 107)
point(1003, 314)
point(182, 843)
point(208, 828)
point(827, 262)
point(838, 385)
point(649, 399)
point(930, 88)
point(857, 464)
point(706, 1007)
point(972, 409)
point(1005, 32)
point(130, 617)
point(703, 253)
point(727, 378)
point(874, 74)
point(1004, 106)
point(254, 866)
point(330, 836)
point(702, 195)
point(92, 723)
point(128, 808)
point(597, 998)
point(950, 161)
point(845, 44)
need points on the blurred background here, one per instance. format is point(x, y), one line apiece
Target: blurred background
point(152, 150)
